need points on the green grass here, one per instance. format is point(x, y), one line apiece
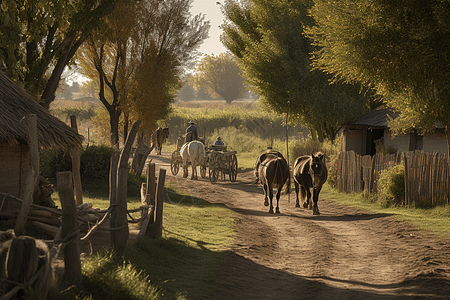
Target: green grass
point(184, 264)
point(434, 220)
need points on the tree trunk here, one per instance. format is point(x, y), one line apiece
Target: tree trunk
point(119, 214)
point(114, 115)
point(67, 53)
point(125, 127)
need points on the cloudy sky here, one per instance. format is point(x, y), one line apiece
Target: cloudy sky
point(212, 11)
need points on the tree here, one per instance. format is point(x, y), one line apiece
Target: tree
point(202, 94)
point(222, 75)
point(40, 38)
point(187, 92)
point(138, 59)
point(267, 37)
point(398, 47)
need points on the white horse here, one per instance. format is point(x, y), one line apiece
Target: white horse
point(195, 153)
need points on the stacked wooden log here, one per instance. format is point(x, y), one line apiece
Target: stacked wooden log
point(46, 219)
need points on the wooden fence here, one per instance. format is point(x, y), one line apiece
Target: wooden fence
point(426, 174)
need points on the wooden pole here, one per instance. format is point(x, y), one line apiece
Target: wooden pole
point(33, 173)
point(148, 200)
point(155, 231)
point(407, 178)
point(69, 231)
point(75, 153)
point(119, 213)
point(372, 174)
point(151, 184)
point(287, 155)
point(113, 189)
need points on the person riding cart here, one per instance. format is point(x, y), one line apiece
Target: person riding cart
point(191, 132)
point(219, 142)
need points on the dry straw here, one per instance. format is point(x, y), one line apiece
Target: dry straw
point(16, 104)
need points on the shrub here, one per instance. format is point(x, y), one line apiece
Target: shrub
point(332, 170)
point(134, 185)
point(391, 186)
point(95, 163)
point(52, 163)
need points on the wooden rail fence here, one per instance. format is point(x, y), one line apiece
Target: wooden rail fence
point(426, 174)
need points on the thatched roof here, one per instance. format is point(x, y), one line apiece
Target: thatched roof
point(16, 104)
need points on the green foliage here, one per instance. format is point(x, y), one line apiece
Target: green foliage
point(269, 41)
point(95, 162)
point(391, 186)
point(137, 65)
point(80, 112)
point(34, 39)
point(222, 75)
point(134, 184)
point(52, 163)
point(240, 140)
point(217, 119)
point(387, 44)
point(332, 170)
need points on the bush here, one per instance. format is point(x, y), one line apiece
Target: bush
point(134, 185)
point(332, 170)
point(391, 186)
point(52, 163)
point(95, 163)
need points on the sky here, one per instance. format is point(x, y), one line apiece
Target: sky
point(212, 12)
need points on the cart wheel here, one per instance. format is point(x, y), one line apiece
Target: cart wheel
point(213, 175)
point(174, 163)
point(233, 168)
point(203, 171)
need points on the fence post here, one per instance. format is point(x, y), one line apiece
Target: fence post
point(19, 228)
point(69, 226)
point(405, 164)
point(155, 231)
point(372, 174)
point(149, 199)
point(75, 154)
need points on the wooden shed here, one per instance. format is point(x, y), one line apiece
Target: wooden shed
point(363, 135)
point(52, 134)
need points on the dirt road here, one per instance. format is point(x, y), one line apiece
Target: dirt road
point(344, 253)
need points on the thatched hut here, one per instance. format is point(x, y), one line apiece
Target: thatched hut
point(52, 134)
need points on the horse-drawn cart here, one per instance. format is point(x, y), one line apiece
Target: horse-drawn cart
point(176, 160)
point(221, 162)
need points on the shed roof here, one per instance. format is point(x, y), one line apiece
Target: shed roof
point(16, 104)
point(377, 117)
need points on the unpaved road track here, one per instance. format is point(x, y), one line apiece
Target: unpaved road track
point(344, 253)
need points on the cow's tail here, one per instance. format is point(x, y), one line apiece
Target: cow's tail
point(288, 184)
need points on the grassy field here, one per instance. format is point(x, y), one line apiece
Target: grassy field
point(434, 220)
point(193, 239)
